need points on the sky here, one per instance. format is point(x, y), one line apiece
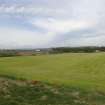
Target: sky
point(51, 23)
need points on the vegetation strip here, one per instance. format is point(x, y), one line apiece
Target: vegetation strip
point(23, 92)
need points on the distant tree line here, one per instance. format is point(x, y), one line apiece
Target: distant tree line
point(8, 53)
point(78, 49)
point(22, 52)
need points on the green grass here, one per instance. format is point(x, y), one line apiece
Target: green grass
point(22, 92)
point(82, 70)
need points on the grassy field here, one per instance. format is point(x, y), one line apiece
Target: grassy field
point(68, 69)
point(78, 71)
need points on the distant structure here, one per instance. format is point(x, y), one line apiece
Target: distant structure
point(97, 51)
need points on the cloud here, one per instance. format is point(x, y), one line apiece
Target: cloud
point(15, 38)
point(29, 10)
point(86, 41)
point(62, 26)
point(45, 23)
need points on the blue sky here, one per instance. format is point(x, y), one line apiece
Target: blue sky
point(51, 23)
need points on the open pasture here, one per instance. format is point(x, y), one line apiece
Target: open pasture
point(74, 69)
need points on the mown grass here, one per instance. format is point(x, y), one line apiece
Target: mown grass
point(82, 72)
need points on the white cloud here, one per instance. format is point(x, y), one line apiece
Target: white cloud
point(84, 41)
point(62, 26)
point(29, 10)
point(55, 17)
point(14, 38)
